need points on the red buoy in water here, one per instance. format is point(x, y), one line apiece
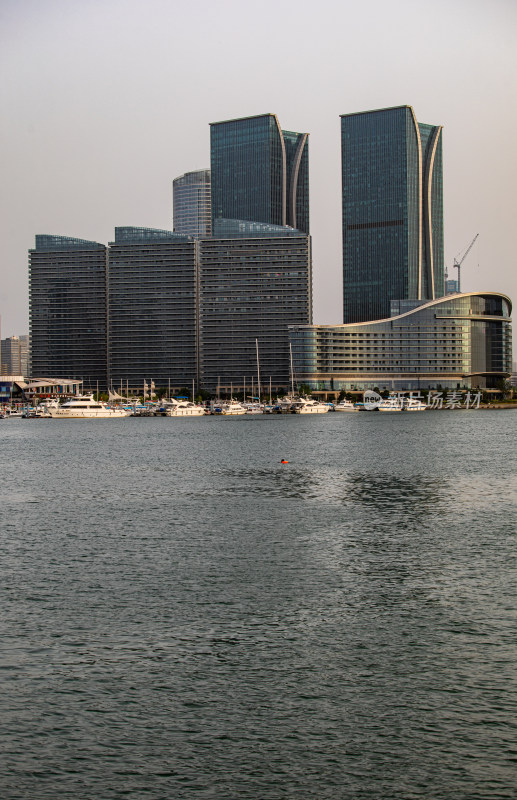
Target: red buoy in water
point(283, 461)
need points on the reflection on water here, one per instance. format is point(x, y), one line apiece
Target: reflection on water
point(281, 482)
point(415, 496)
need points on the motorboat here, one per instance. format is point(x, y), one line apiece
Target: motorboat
point(285, 404)
point(345, 405)
point(232, 407)
point(254, 408)
point(391, 403)
point(43, 409)
point(414, 404)
point(184, 408)
point(305, 405)
point(13, 413)
point(86, 407)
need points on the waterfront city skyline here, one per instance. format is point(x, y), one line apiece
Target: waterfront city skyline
point(92, 145)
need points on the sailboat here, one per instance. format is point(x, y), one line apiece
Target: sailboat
point(256, 408)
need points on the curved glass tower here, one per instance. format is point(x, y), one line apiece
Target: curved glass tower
point(260, 173)
point(392, 183)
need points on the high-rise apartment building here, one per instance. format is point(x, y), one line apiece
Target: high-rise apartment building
point(392, 211)
point(67, 309)
point(251, 289)
point(191, 203)
point(260, 173)
point(184, 309)
point(153, 299)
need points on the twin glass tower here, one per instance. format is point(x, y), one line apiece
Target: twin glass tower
point(392, 182)
point(392, 199)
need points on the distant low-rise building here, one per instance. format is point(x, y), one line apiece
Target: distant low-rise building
point(14, 352)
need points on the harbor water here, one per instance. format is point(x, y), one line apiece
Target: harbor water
point(183, 616)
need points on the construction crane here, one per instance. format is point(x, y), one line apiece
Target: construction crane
point(457, 264)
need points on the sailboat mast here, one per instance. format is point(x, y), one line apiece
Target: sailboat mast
point(292, 373)
point(258, 370)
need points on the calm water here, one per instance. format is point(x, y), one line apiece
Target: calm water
point(184, 617)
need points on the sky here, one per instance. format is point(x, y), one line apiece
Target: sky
point(104, 102)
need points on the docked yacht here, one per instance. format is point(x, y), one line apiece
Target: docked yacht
point(254, 408)
point(414, 404)
point(345, 405)
point(305, 405)
point(232, 407)
point(86, 407)
point(184, 409)
point(391, 403)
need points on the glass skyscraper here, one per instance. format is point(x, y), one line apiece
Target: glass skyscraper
point(191, 203)
point(392, 183)
point(260, 173)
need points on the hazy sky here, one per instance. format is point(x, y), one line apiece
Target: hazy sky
point(104, 102)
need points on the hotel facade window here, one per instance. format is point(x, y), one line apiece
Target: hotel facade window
point(392, 211)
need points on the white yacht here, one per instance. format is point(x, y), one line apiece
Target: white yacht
point(254, 408)
point(345, 405)
point(391, 403)
point(232, 407)
point(86, 407)
point(184, 409)
point(285, 404)
point(414, 404)
point(13, 413)
point(305, 405)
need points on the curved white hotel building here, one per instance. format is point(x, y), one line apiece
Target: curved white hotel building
point(457, 341)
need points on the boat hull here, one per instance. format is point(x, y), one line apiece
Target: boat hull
point(186, 412)
point(87, 414)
